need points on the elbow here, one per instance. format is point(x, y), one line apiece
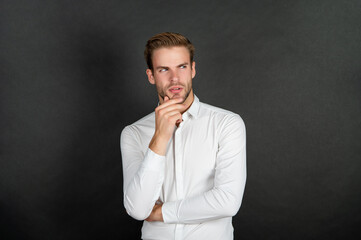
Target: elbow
point(232, 209)
point(235, 199)
point(137, 215)
point(137, 211)
point(231, 204)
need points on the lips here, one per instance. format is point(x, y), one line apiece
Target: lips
point(175, 89)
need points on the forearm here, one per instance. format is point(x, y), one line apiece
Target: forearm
point(213, 204)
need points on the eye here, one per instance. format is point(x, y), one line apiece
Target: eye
point(163, 70)
point(183, 66)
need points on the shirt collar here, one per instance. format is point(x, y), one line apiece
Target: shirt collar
point(194, 108)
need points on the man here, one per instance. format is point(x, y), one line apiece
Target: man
point(184, 165)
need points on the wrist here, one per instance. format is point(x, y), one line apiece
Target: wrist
point(160, 214)
point(158, 144)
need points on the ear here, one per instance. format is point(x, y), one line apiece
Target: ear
point(193, 69)
point(150, 76)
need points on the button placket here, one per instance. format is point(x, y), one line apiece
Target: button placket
point(178, 174)
point(179, 162)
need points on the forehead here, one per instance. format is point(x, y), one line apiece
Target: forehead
point(169, 56)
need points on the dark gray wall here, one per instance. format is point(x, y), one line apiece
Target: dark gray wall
point(73, 75)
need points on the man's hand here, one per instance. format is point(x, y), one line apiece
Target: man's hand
point(156, 214)
point(167, 115)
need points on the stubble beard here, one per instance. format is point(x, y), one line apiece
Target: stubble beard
point(162, 95)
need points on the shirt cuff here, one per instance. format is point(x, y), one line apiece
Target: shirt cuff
point(153, 161)
point(169, 212)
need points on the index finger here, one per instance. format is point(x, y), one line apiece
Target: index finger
point(169, 102)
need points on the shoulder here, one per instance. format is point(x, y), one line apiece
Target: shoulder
point(229, 126)
point(222, 116)
point(142, 124)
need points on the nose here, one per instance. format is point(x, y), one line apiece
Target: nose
point(174, 77)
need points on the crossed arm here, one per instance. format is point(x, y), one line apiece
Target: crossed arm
point(144, 175)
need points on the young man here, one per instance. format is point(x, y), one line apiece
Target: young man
point(184, 165)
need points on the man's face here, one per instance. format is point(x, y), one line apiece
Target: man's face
point(172, 73)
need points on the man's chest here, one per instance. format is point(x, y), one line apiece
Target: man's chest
point(191, 160)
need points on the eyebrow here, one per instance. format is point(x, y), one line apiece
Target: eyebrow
point(161, 67)
point(164, 67)
point(182, 64)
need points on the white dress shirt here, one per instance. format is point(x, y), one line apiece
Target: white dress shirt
point(201, 179)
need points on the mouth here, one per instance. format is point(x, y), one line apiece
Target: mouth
point(175, 89)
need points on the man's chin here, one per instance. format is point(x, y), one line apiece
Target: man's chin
point(176, 96)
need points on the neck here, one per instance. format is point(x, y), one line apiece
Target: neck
point(189, 100)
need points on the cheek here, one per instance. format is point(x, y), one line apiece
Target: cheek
point(186, 75)
point(160, 83)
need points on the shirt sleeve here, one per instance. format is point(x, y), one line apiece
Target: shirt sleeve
point(143, 176)
point(225, 198)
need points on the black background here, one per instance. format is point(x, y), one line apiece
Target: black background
point(73, 75)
